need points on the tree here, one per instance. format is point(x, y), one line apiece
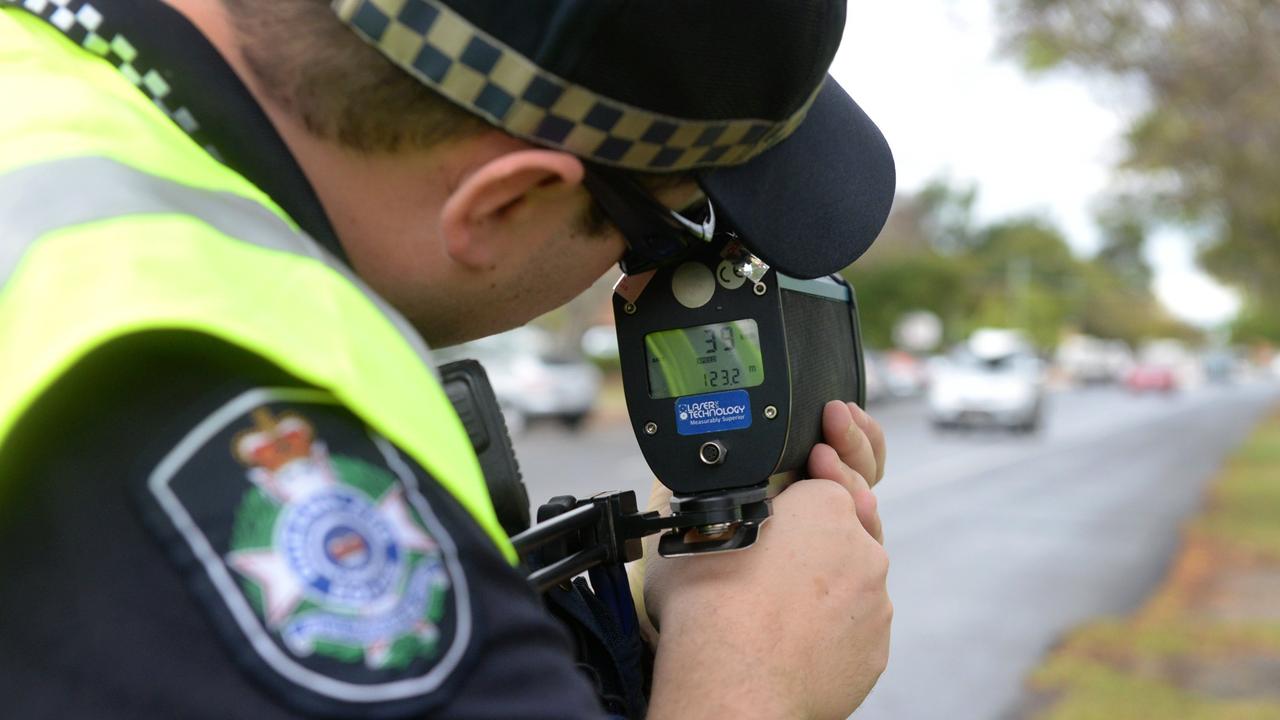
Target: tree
point(1257, 325)
point(1019, 273)
point(1209, 133)
point(1124, 234)
point(918, 263)
point(937, 218)
point(889, 289)
point(1027, 278)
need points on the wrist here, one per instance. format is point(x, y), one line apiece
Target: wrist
point(698, 668)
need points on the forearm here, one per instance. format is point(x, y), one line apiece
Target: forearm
point(705, 661)
point(692, 677)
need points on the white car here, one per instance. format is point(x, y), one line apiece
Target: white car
point(1092, 361)
point(990, 381)
point(876, 391)
point(530, 380)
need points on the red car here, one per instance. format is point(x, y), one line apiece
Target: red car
point(1151, 377)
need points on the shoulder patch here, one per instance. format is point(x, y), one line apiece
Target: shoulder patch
point(322, 564)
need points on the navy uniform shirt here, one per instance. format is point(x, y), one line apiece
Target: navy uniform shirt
point(190, 532)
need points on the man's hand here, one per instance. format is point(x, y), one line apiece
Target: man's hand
point(797, 626)
point(854, 456)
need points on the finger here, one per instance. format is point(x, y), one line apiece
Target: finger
point(659, 498)
point(848, 439)
point(869, 513)
point(825, 463)
point(875, 434)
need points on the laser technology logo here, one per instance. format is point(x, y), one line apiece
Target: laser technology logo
point(716, 412)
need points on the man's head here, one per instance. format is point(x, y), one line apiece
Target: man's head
point(446, 139)
point(464, 228)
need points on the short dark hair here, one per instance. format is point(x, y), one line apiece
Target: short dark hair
point(343, 89)
point(337, 85)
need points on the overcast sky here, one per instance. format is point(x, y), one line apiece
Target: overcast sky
point(927, 72)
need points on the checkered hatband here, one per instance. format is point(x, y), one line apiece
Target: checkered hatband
point(485, 76)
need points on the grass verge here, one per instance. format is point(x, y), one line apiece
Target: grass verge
point(1206, 646)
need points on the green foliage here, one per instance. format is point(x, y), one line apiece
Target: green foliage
point(1246, 501)
point(924, 281)
point(1124, 233)
point(1040, 52)
point(937, 219)
point(1089, 689)
point(1018, 273)
point(1257, 325)
point(1156, 665)
point(1208, 133)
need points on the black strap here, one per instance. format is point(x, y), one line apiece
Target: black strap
point(616, 662)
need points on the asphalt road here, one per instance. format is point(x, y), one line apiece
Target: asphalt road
point(998, 543)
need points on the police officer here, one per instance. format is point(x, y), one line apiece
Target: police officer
point(230, 484)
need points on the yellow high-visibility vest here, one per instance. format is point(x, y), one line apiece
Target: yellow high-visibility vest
point(114, 222)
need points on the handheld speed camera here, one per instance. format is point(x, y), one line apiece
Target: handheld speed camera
point(726, 366)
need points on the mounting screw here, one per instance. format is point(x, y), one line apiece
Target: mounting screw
point(716, 528)
point(770, 412)
point(629, 308)
point(760, 289)
point(651, 428)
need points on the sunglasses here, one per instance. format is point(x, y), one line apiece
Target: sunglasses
point(655, 234)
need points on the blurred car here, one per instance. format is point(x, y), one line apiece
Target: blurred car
point(1088, 360)
point(876, 391)
point(1223, 366)
point(994, 380)
point(1151, 377)
point(600, 343)
point(1158, 357)
point(905, 376)
point(530, 380)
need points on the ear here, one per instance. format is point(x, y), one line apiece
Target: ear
point(475, 220)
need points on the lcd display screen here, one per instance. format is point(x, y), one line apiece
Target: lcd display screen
point(704, 359)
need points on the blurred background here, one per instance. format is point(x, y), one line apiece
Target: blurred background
point(1073, 316)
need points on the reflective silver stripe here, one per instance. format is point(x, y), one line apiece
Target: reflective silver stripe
point(39, 199)
point(822, 287)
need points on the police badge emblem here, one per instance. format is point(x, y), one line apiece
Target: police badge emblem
point(330, 553)
point(318, 549)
